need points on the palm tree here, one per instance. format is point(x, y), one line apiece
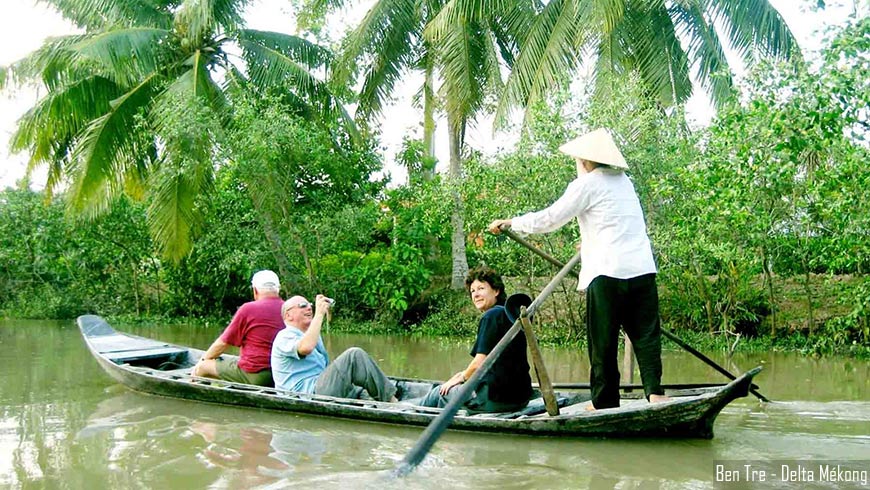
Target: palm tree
point(467, 58)
point(633, 35)
point(471, 55)
point(136, 104)
point(621, 36)
point(388, 43)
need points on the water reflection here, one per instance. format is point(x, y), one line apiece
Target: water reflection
point(249, 465)
point(63, 422)
point(152, 441)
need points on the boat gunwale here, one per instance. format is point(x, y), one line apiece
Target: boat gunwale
point(583, 422)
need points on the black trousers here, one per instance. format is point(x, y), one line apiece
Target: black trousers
point(632, 304)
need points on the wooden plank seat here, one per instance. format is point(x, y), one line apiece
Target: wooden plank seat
point(127, 355)
point(121, 343)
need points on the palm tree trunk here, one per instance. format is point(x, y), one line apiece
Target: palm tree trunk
point(429, 161)
point(457, 220)
point(429, 124)
point(768, 278)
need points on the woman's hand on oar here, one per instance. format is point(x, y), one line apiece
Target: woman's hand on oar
point(498, 225)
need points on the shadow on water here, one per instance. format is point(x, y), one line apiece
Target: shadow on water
point(63, 422)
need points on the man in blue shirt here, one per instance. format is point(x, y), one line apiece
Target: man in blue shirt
point(300, 362)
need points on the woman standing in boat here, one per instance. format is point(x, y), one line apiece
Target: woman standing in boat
point(618, 271)
point(507, 386)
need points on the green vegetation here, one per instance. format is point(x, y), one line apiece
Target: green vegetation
point(168, 190)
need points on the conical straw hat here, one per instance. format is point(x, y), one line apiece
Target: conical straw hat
point(597, 146)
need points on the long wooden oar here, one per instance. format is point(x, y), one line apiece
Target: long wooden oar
point(437, 426)
point(667, 333)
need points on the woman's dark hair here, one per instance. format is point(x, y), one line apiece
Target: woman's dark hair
point(488, 275)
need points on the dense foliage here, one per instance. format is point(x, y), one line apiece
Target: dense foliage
point(760, 222)
point(137, 104)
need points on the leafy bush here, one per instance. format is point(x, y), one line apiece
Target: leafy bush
point(380, 284)
point(452, 315)
point(854, 327)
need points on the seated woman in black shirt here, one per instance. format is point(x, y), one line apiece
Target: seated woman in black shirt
point(507, 386)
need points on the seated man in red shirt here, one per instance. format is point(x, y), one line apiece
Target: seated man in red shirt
point(253, 329)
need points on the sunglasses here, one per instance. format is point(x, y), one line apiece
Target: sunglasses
point(301, 304)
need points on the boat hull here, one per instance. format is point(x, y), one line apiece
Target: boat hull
point(162, 369)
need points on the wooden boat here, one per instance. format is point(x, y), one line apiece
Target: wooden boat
point(158, 368)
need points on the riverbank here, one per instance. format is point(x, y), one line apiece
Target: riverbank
point(834, 329)
point(819, 345)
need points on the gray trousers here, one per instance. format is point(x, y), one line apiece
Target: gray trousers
point(480, 402)
point(352, 371)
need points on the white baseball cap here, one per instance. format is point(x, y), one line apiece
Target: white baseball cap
point(265, 279)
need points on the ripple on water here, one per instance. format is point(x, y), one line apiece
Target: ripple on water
point(836, 430)
point(820, 418)
point(429, 476)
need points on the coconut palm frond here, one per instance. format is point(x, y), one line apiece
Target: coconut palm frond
point(654, 51)
point(455, 12)
point(128, 53)
point(388, 35)
point(270, 66)
point(190, 95)
point(488, 51)
point(754, 25)
point(337, 112)
point(229, 13)
point(187, 117)
point(53, 64)
point(309, 54)
point(466, 63)
point(97, 14)
point(109, 147)
point(643, 36)
point(511, 28)
point(547, 57)
point(197, 20)
point(173, 216)
point(199, 84)
point(705, 52)
point(321, 6)
point(54, 122)
point(49, 130)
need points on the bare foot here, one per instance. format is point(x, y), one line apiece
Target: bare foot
point(659, 398)
point(590, 408)
point(394, 400)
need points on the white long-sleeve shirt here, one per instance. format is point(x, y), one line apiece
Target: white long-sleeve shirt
point(612, 227)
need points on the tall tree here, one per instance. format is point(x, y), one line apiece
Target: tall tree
point(620, 36)
point(471, 54)
point(387, 44)
point(136, 105)
point(467, 59)
point(661, 41)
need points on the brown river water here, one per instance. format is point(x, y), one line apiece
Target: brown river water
point(65, 424)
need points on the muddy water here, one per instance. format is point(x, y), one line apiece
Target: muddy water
point(64, 423)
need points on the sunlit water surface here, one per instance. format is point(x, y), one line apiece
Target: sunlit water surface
point(64, 423)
